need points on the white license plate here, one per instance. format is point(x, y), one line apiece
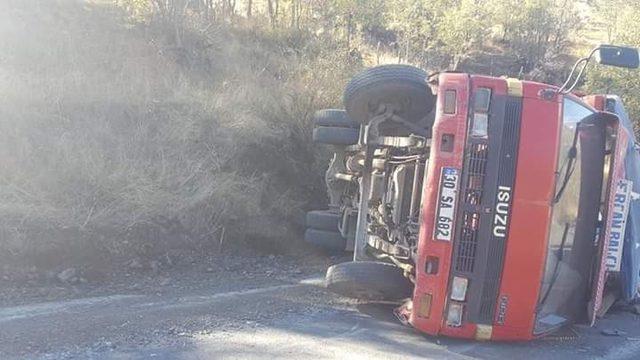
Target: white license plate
point(446, 204)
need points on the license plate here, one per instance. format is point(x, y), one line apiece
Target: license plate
point(446, 204)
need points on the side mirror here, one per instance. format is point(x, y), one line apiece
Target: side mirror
point(619, 56)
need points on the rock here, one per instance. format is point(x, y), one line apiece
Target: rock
point(32, 276)
point(209, 270)
point(135, 286)
point(155, 266)
point(67, 275)
point(167, 260)
point(165, 282)
point(135, 263)
point(612, 332)
point(103, 346)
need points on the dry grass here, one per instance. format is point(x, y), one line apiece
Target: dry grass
point(112, 142)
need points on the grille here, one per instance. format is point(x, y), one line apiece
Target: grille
point(476, 173)
point(468, 244)
point(506, 176)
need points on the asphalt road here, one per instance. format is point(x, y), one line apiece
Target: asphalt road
point(263, 317)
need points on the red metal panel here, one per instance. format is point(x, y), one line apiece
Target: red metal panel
point(531, 211)
point(498, 88)
point(455, 124)
point(531, 214)
point(595, 101)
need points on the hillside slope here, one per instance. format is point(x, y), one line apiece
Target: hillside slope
point(115, 143)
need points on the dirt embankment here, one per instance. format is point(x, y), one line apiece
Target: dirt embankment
point(116, 144)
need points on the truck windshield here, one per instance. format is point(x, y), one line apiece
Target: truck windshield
point(572, 236)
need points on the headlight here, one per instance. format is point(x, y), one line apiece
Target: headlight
point(450, 102)
point(459, 288)
point(480, 120)
point(482, 99)
point(454, 316)
point(480, 125)
point(423, 306)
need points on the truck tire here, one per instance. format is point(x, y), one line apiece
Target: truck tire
point(403, 86)
point(335, 135)
point(334, 118)
point(323, 220)
point(328, 240)
point(368, 280)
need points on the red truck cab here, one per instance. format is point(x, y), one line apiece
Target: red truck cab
point(509, 253)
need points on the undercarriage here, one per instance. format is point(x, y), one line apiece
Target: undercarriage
point(375, 184)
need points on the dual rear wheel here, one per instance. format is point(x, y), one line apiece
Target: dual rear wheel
point(323, 230)
point(334, 127)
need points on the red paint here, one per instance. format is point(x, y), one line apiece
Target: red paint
point(595, 101)
point(531, 215)
point(455, 124)
point(531, 212)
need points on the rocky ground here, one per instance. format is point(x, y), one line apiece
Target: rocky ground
point(247, 306)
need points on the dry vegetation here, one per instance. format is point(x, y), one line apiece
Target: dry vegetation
point(113, 141)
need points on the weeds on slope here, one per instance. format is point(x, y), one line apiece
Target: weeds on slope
point(115, 143)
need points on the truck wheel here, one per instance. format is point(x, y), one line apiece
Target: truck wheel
point(335, 135)
point(323, 220)
point(368, 280)
point(402, 86)
point(329, 240)
point(335, 118)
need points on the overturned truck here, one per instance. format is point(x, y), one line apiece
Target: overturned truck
point(488, 208)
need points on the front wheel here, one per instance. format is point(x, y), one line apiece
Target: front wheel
point(369, 280)
point(403, 87)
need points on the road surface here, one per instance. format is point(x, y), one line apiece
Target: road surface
point(260, 315)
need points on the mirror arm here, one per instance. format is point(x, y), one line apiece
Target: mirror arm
point(585, 61)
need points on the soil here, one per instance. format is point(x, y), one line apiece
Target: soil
point(246, 306)
point(152, 275)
